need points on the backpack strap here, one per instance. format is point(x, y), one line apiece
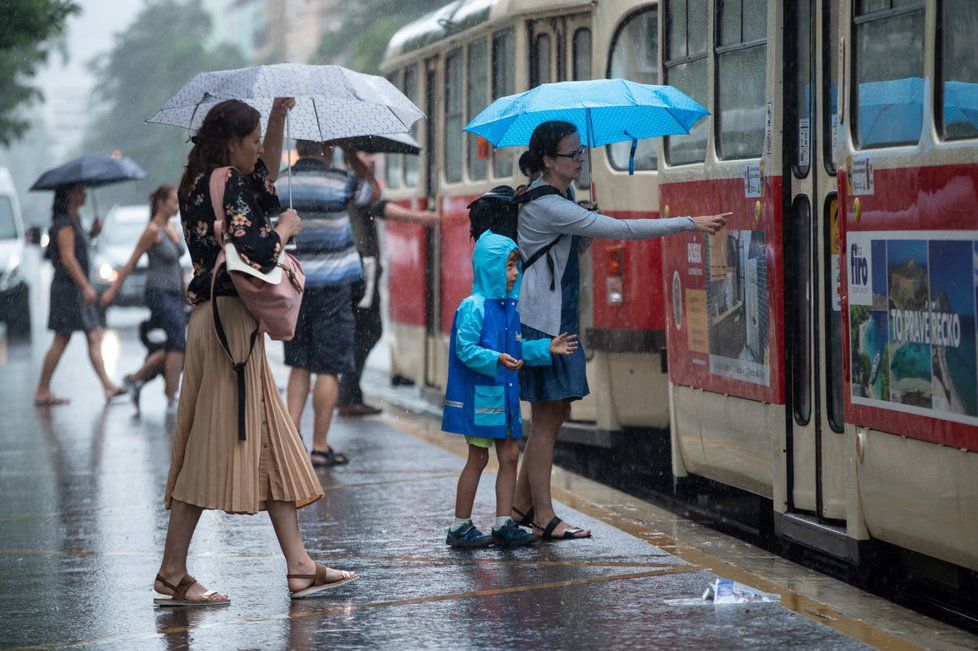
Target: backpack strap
point(526, 197)
point(217, 184)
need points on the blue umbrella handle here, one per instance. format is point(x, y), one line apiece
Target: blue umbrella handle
point(631, 155)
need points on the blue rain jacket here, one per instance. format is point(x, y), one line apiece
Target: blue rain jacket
point(483, 397)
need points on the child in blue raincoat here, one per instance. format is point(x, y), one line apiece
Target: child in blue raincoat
point(482, 400)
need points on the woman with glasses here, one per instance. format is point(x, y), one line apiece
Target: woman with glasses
point(548, 305)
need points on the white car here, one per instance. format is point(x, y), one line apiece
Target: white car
point(14, 290)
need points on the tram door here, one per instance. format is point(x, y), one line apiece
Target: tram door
point(432, 248)
point(816, 446)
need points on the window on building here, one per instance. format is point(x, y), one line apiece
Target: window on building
point(741, 58)
point(453, 117)
point(412, 163)
point(634, 56)
point(503, 83)
point(888, 85)
point(476, 94)
point(393, 163)
point(957, 111)
point(685, 68)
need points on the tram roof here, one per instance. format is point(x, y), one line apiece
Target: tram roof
point(461, 15)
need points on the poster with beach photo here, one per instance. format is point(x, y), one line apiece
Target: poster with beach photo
point(912, 322)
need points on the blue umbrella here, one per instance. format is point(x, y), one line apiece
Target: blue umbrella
point(91, 170)
point(605, 111)
point(961, 104)
point(890, 111)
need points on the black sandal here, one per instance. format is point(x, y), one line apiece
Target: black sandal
point(570, 534)
point(330, 458)
point(525, 519)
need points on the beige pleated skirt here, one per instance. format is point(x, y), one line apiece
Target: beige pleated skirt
point(209, 466)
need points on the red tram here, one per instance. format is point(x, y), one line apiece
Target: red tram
point(820, 351)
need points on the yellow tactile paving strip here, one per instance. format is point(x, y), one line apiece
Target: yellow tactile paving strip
point(801, 604)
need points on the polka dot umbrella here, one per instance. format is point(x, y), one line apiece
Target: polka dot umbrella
point(332, 102)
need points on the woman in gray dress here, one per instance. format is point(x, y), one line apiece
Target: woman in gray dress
point(72, 295)
point(164, 294)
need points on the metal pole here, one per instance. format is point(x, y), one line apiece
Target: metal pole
point(590, 172)
point(288, 144)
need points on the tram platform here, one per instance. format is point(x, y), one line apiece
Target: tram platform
point(82, 527)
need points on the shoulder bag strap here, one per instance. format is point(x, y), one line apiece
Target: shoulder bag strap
point(527, 197)
point(217, 182)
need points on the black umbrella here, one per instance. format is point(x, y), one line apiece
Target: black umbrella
point(93, 171)
point(395, 143)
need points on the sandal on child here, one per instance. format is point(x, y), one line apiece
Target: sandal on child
point(319, 582)
point(179, 597)
point(573, 533)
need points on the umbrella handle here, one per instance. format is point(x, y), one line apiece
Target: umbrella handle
point(290, 245)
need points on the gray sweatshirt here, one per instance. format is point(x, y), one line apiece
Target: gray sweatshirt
point(546, 218)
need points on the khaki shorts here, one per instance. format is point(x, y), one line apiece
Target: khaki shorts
point(481, 442)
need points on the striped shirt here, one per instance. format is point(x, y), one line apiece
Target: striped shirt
point(322, 196)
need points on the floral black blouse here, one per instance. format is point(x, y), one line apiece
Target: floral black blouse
point(247, 199)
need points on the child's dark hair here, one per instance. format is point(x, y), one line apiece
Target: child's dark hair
point(231, 118)
point(544, 141)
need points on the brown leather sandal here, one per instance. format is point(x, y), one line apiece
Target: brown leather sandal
point(319, 582)
point(179, 597)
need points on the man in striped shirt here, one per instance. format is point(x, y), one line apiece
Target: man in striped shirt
point(323, 341)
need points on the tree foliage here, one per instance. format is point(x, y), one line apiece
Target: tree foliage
point(374, 23)
point(28, 29)
point(166, 45)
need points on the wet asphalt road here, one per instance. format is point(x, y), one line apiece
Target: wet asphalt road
point(82, 526)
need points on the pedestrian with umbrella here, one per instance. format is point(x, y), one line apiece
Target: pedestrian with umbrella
point(553, 117)
point(214, 464)
point(72, 306)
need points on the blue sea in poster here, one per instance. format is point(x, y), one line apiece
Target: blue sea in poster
point(952, 262)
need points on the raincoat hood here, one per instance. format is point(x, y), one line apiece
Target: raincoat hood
point(489, 267)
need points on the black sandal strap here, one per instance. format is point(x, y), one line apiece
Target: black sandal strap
point(526, 519)
point(549, 529)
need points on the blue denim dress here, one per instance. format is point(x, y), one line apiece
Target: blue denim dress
point(566, 377)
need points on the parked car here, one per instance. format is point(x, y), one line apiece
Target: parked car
point(122, 229)
point(15, 309)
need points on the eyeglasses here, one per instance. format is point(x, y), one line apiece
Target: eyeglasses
point(578, 155)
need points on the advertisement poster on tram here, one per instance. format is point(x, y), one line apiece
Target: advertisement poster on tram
point(737, 306)
point(912, 299)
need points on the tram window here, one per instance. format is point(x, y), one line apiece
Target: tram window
point(540, 61)
point(412, 163)
point(581, 61)
point(686, 45)
point(503, 83)
point(830, 88)
point(393, 162)
point(582, 54)
point(453, 117)
point(741, 57)
point(888, 87)
point(803, 86)
point(477, 92)
point(959, 70)
point(634, 56)
point(799, 324)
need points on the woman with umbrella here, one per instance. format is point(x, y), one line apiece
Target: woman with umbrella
point(72, 296)
point(548, 305)
point(210, 467)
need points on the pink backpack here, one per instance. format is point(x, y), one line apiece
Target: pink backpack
point(273, 298)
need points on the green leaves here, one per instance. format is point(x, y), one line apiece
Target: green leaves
point(27, 32)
